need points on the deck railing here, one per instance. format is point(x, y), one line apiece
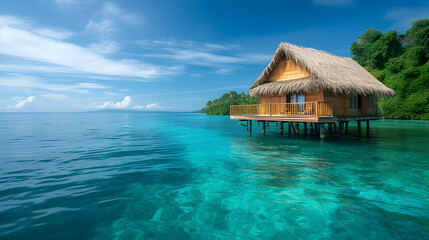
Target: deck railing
point(284, 109)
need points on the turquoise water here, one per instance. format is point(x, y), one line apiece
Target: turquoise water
point(192, 176)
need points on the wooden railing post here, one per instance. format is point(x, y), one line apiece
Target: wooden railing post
point(317, 107)
point(284, 109)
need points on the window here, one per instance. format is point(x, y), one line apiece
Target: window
point(301, 98)
point(352, 102)
point(293, 98)
point(370, 100)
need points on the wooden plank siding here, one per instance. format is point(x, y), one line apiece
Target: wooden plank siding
point(339, 103)
point(314, 97)
point(287, 69)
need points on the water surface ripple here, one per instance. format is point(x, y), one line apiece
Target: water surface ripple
point(192, 176)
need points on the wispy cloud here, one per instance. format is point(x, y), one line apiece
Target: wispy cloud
point(196, 57)
point(22, 81)
point(152, 106)
point(55, 96)
point(202, 54)
point(332, 2)
point(54, 33)
point(104, 47)
point(174, 43)
point(19, 42)
point(195, 91)
point(21, 103)
point(106, 21)
point(113, 11)
point(103, 26)
point(118, 105)
point(404, 16)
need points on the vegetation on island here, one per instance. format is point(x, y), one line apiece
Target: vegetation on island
point(220, 106)
point(400, 61)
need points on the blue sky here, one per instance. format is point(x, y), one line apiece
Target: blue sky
point(86, 55)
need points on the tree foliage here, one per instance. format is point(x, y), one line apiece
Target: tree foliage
point(220, 106)
point(400, 61)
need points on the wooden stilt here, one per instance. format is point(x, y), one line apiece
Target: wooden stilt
point(322, 130)
point(330, 128)
point(297, 128)
point(281, 128)
point(292, 125)
point(250, 125)
point(311, 129)
point(367, 128)
point(347, 127)
point(358, 128)
point(305, 129)
point(335, 128)
point(340, 128)
point(289, 128)
point(263, 127)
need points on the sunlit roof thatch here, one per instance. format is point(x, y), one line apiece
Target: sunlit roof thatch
point(329, 73)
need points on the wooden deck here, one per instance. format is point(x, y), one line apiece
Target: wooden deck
point(313, 119)
point(317, 112)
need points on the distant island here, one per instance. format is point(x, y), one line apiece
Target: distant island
point(220, 106)
point(400, 61)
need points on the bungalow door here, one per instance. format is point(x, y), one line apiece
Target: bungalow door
point(361, 106)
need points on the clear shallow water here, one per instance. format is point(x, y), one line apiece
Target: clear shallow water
point(192, 176)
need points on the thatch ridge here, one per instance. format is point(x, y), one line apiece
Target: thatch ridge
point(330, 73)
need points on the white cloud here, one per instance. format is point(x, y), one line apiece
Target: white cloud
point(332, 2)
point(151, 106)
point(105, 21)
point(110, 93)
point(209, 58)
point(138, 107)
point(19, 42)
point(113, 11)
point(173, 43)
point(22, 81)
point(55, 96)
point(23, 102)
point(196, 91)
point(104, 47)
point(54, 33)
point(122, 104)
point(102, 27)
point(200, 53)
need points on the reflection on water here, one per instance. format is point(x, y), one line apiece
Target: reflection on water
point(192, 176)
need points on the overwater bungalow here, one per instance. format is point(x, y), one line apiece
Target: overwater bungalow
point(305, 85)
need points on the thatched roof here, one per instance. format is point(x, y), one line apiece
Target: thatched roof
point(330, 73)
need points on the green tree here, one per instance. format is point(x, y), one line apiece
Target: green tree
point(401, 63)
point(220, 106)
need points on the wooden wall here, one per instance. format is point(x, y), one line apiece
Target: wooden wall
point(341, 103)
point(309, 97)
point(368, 106)
point(273, 99)
point(287, 69)
point(314, 97)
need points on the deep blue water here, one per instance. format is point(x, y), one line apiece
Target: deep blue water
point(192, 176)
